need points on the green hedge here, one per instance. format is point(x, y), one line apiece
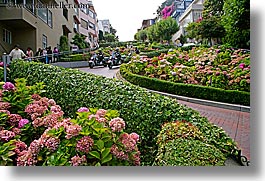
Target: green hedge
point(144, 112)
point(183, 152)
point(154, 53)
point(189, 90)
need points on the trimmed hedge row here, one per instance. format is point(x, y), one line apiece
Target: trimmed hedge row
point(144, 112)
point(183, 152)
point(154, 53)
point(165, 49)
point(189, 90)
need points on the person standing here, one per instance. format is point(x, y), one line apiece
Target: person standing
point(29, 54)
point(49, 52)
point(44, 54)
point(17, 53)
point(38, 55)
point(55, 54)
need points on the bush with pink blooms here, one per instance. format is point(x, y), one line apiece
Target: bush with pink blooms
point(33, 131)
point(218, 67)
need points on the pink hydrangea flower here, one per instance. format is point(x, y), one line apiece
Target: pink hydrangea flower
point(117, 124)
point(83, 109)
point(22, 123)
point(6, 135)
point(85, 144)
point(20, 147)
point(77, 160)
point(118, 153)
point(72, 130)
point(242, 66)
point(101, 112)
point(8, 86)
point(135, 136)
point(52, 144)
point(4, 105)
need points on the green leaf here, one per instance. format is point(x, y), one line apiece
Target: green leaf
point(98, 164)
point(95, 154)
point(107, 158)
point(105, 153)
point(100, 144)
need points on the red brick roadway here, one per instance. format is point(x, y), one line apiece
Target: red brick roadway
point(235, 123)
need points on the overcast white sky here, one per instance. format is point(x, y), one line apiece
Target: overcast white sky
point(126, 16)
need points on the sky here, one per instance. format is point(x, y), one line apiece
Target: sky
point(126, 16)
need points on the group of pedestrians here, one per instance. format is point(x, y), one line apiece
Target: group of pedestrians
point(46, 55)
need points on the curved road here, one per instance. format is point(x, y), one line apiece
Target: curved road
point(235, 123)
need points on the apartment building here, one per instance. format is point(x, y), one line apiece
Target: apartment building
point(147, 22)
point(104, 26)
point(38, 23)
point(86, 22)
point(191, 14)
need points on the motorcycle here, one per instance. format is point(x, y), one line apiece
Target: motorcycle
point(115, 60)
point(97, 60)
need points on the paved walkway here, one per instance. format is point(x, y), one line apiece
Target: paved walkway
point(235, 123)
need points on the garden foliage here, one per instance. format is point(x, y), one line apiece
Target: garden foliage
point(33, 132)
point(217, 73)
point(143, 111)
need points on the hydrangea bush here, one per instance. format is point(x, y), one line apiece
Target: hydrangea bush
point(218, 67)
point(33, 131)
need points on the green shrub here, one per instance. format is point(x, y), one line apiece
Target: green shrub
point(183, 152)
point(143, 111)
point(154, 53)
point(76, 57)
point(176, 130)
point(189, 90)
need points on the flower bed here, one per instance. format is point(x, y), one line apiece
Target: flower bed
point(200, 73)
point(143, 111)
point(33, 131)
point(220, 68)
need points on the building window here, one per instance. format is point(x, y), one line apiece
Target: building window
point(65, 13)
point(91, 26)
point(84, 9)
point(7, 36)
point(49, 18)
point(29, 5)
point(44, 41)
point(76, 27)
point(45, 15)
point(91, 14)
point(84, 24)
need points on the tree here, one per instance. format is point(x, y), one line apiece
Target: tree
point(64, 43)
point(211, 27)
point(193, 30)
point(141, 35)
point(80, 41)
point(166, 28)
point(108, 37)
point(150, 32)
point(236, 21)
point(213, 8)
